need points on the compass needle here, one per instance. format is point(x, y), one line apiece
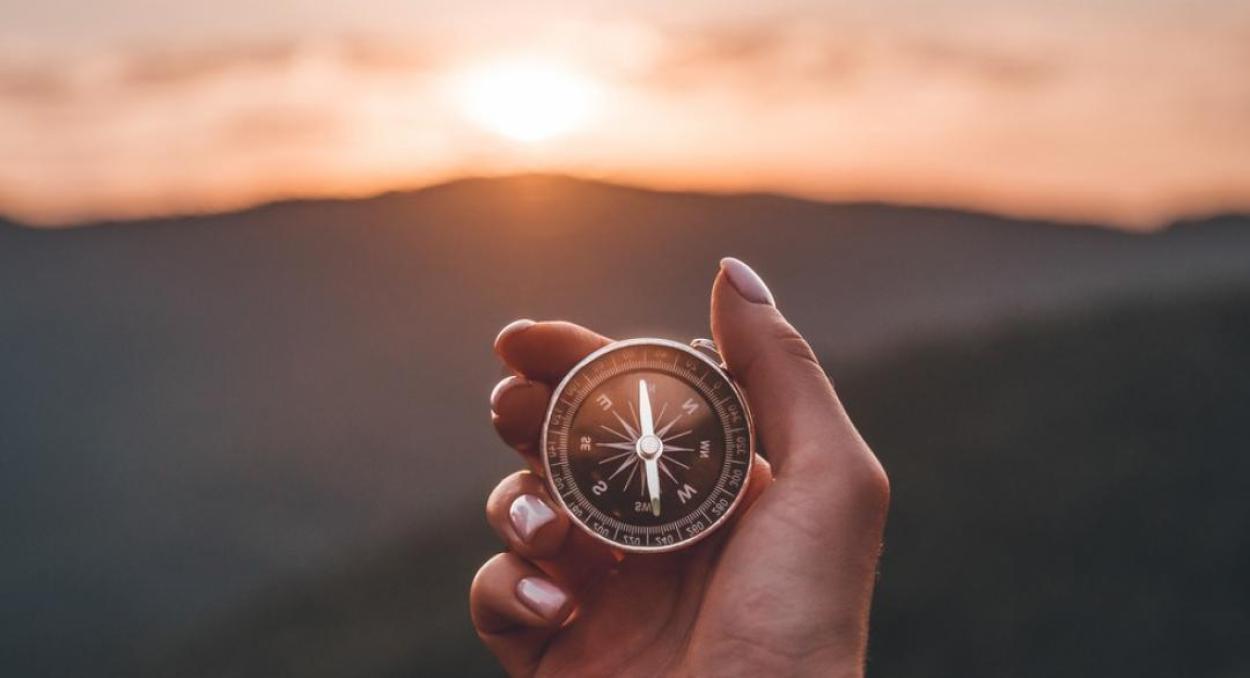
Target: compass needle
point(634, 480)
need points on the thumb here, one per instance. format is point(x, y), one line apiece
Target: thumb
point(800, 422)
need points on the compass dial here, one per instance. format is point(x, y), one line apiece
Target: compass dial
point(648, 445)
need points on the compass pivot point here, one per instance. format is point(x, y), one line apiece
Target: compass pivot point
point(650, 446)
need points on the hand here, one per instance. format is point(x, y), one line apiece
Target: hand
point(784, 589)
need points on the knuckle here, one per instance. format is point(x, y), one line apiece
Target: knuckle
point(872, 484)
point(782, 346)
point(792, 344)
point(500, 497)
point(478, 586)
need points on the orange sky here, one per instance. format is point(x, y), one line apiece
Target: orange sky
point(1126, 113)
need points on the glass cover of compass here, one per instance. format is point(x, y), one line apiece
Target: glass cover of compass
point(648, 445)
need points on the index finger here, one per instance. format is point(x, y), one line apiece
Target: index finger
point(546, 351)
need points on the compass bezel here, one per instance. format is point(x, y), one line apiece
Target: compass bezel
point(686, 350)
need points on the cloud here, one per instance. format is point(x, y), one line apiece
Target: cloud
point(992, 67)
point(1060, 122)
point(770, 58)
point(33, 84)
point(172, 69)
point(166, 66)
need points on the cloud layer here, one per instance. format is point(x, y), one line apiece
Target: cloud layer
point(1129, 121)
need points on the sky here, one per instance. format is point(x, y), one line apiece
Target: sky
point(1131, 113)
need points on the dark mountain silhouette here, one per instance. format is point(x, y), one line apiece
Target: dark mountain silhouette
point(1068, 500)
point(195, 410)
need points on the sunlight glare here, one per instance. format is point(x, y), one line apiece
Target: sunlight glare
point(526, 101)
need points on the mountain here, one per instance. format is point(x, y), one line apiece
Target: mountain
point(195, 410)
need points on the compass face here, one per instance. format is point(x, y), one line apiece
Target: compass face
point(648, 445)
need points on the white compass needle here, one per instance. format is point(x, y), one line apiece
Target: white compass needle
point(651, 461)
point(653, 483)
point(644, 409)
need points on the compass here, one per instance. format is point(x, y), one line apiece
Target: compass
point(648, 444)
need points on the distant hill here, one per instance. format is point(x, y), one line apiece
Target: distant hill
point(193, 410)
point(1068, 500)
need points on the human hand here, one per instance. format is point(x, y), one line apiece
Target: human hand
point(784, 588)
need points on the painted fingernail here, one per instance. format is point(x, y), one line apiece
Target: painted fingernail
point(541, 596)
point(528, 513)
point(503, 387)
point(512, 328)
point(746, 281)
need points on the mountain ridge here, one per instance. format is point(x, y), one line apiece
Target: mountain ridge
point(573, 182)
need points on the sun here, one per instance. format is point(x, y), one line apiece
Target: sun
point(526, 100)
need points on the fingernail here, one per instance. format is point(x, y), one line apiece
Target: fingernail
point(506, 386)
point(512, 328)
point(746, 281)
point(528, 513)
point(541, 596)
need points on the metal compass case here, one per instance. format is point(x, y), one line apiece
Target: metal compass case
point(648, 444)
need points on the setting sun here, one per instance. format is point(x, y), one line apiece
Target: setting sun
point(526, 101)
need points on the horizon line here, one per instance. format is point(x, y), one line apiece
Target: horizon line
point(245, 207)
